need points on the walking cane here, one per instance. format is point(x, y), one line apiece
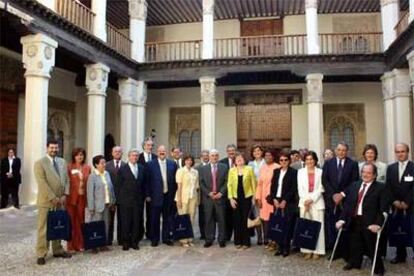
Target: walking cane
point(334, 249)
point(374, 261)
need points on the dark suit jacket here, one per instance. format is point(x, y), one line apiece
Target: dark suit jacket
point(154, 183)
point(289, 188)
point(404, 190)
point(330, 183)
point(206, 183)
point(141, 158)
point(225, 161)
point(131, 190)
point(374, 204)
point(5, 166)
point(110, 168)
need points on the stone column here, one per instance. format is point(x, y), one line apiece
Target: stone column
point(312, 34)
point(389, 127)
point(137, 18)
point(208, 29)
point(38, 60)
point(315, 113)
point(96, 83)
point(48, 3)
point(128, 93)
point(208, 112)
point(142, 104)
point(411, 18)
point(99, 24)
point(390, 13)
point(410, 58)
point(403, 106)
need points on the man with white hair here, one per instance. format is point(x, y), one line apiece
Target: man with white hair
point(213, 184)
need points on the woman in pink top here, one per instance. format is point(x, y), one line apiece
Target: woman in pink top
point(263, 190)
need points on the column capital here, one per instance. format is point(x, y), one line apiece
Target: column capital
point(208, 7)
point(142, 93)
point(401, 83)
point(96, 79)
point(138, 9)
point(208, 90)
point(387, 2)
point(387, 85)
point(127, 91)
point(311, 4)
point(410, 58)
point(38, 55)
point(315, 88)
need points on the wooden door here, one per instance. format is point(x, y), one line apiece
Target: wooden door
point(267, 125)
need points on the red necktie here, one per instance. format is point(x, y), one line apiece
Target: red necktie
point(360, 196)
point(117, 165)
point(214, 178)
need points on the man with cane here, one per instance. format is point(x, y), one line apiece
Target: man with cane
point(363, 217)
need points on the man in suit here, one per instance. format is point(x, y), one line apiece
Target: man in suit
point(204, 157)
point(296, 160)
point(113, 167)
point(363, 216)
point(400, 188)
point(176, 157)
point(10, 178)
point(53, 183)
point(229, 162)
point(131, 191)
point(213, 184)
point(161, 188)
point(338, 174)
point(145, 157)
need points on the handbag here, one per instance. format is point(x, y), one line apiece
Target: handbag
point(253, 219)
point(278, 226)
point(58, 225)
point(94, 234)
point(306, 233)
point(182, 228)
point(400, 230)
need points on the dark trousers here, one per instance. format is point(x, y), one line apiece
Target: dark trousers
point(265, 226)
point(215, 211)
point(362, 240)
point(291, 220)
point(201, 221)
point(145, 226)
point(331, 217)
point(240, 216)
point(166, 210)
point(112, 225)
point(130, 224)
point(9, 187)
point(229, 220)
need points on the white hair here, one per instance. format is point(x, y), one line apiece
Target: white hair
point(132, 151)
point(213, 151)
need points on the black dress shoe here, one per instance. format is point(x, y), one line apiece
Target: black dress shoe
point(222, 244)
point(125, 247)
point(285, 253)
point(397, 261)
point(64, 255)
point(169, 243)
point(41, 261)
point(259, 243)
point(135, 247)
point(154, 244)
point(207, 244)
point(278, 253)
point(348, 267)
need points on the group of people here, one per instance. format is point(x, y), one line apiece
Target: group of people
point(227, 193)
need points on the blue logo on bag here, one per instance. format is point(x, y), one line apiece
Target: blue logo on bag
point(95, 236)
point(59, 225)
point(306, 235)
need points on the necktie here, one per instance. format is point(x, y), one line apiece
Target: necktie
point(400, 171)
point(55, 165)
point(117, 165)
point(360, 196)
point(214, 179)
point(149, 156)
point(135, 171)
point(340, 170)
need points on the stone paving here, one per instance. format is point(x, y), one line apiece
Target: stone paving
point(18, 234)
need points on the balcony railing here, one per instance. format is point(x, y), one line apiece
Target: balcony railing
point(266, 46)
point(117, 40)
point(402, 23)
point(77, 13)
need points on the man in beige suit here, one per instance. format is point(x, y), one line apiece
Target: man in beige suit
point(53, 183)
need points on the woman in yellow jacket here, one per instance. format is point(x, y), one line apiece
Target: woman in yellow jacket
point(241, 185)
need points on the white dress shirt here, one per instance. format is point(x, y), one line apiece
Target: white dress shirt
point(280, 181)
point(11, 164)
point(342, 161)
point(134, 169)
point(147, 156)
point(163, 167)
point(359, 211)
point(401, 168)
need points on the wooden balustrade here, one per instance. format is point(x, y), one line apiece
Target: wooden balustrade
point(402, 23)
point(117, 40)
point(350, 43)
point(77, 13)
point(171, 51)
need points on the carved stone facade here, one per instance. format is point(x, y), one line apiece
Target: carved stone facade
point(387, 2)
point(366, 23)
point(138, 9)
point(97, 79)
point(263, 97)
point(128, 91)
point(208, 90)
point(208, 7)
point(185, 120)
point(311, 4)
point(314, 88)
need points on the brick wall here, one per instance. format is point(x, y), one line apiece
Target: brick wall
point(8, 120)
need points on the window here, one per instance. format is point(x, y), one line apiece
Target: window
point(361, 45)
point(190, 142)
point(346, 45)
point(184, 141)
point(342, 130)
point(196, 143)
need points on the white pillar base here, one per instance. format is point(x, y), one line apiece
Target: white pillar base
point(208, 29)
point(142, 103)
point(127, 91)
point(315, 113)
point(389, 114)
point(208, 112)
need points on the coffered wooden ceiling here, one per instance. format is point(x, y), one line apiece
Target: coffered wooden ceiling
point(163, 12)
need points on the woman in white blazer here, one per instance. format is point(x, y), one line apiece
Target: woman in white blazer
point(311, 203)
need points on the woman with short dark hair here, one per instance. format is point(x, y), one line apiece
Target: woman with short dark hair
point(370, 155)
point(78, 173)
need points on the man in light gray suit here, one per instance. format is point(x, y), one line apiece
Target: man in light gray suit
point(53, 184)
point(213, 184)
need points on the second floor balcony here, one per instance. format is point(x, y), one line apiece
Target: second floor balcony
point(266, 46)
